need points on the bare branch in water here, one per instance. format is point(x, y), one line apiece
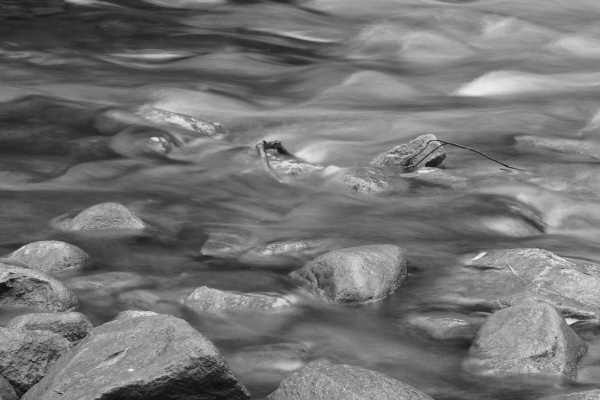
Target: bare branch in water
point(443, 143)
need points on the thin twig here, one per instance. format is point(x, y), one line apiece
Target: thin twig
point(443, 143)
point(515, 272)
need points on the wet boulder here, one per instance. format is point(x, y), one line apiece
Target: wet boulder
point(105, 216)
point(528, 338)
point(73, 326)
point(26, 356)
point(318, 381)
point(410, 154)
point(150, 357)
point(500, 278)
point(356, 274)
point(27, 288)
point(207, 299)
point(50, 256)
point(6, 390)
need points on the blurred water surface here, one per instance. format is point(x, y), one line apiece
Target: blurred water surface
point(338, 82)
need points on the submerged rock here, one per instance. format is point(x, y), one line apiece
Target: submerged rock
point(444, 326)
point(270, 362)
point(73, 326)
point(152, 358)
point(6, 390)
point(410, 154)
point(292, 167)
point(105, 216)
point(164, 117)
point(529, 338)
point(367, 180)
point(27, 288)
point(26, 356)
point(501, 278)
point(207, 299)
point(356, 274)
point(317, 381)
point(50, 256)
point(585, 395)
point(225, 244)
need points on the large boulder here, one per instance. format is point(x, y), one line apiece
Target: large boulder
point(6, 390)
point(500, 278)
point(50, 256)
point(27, 288)
point(356, 274)
point(105, 216)
point(73, 326)
point(207, 299)
point(149, 357)
point(26, 356)
point(528, 338)
point(317, 381)
point(410, 154)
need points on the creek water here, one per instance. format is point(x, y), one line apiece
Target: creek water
point(338, 82)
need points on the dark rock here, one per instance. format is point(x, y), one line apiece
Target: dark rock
point(26, 356)
point(105, 216)
point(402, 156)
point(73, 326)
point(152, 358)
point(444, 326)
point(356, 274)
point(585, 395)
point(27, 288)
point(207, 299)
point(528, 338)
point(501, 278)
point(318, 381)
point(6, 390)
point(50, 256)
point(164, 117)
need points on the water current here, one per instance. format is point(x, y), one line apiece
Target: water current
point(338, 82)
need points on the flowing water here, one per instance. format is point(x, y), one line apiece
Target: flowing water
point(338, 82)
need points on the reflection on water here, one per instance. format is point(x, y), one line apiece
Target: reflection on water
point(338, 82)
